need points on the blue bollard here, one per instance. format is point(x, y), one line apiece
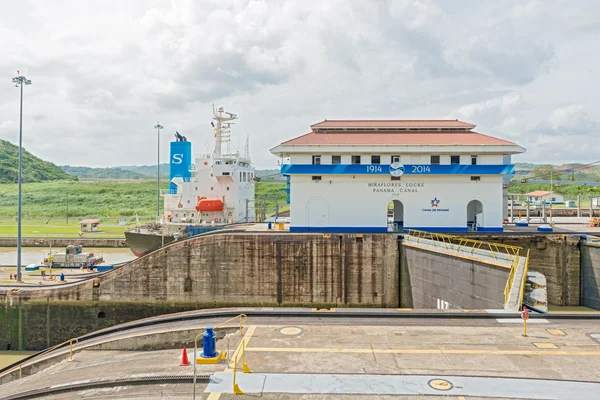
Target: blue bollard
point(62, 277)
point(269, 226)
point(209, 343)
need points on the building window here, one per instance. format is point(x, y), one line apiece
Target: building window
point(395, 159)
point(225, 173)
point(435, 160)
point(395, 178)
point(355, 159)
point(316, 178)
point(212, 188)
point(336, 159)
point(375, 159)
point(473, 160)
point(227, 187)
point(244, 176)
point(475, 178)
point(454, 160)
point(316, 160)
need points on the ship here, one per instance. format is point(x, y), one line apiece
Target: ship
point(213, 191)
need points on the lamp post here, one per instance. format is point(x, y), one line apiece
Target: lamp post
point(20, 80)
point(158, 127)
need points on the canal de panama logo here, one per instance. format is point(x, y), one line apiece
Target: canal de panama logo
point(396, 169)
point(435, 206)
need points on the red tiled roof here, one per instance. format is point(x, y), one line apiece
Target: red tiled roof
point(397, 138)
point(89, 221)
point(405, 123)
point(537, 193)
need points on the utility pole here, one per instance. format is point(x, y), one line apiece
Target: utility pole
point(158, 127)
point(20, 80)
point(247, 201)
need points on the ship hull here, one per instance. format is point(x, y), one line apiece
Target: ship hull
point(141, 243)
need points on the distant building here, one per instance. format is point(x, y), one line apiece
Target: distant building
point(595, 201)
point(543, 196)
point(89, 225)
point(385, 175)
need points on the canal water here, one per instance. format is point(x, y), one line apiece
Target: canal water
point(9, 357)
point(35, 255)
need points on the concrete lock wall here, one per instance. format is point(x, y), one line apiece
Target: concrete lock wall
point(253, 270)
point(590, 272)
point(436, 280)
point(555, 256)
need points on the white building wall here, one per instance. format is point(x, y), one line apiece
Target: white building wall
point(348, 202)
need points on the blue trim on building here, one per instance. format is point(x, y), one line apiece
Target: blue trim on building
point(376, 229)
point(384, 169)
point(338, 229)
point(438, 229)
point(482, 229)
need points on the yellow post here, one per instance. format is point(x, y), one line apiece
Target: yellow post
point(20, 372)
point(525, 327)
point(236, 388)
point(71, 350)
point(245, 367)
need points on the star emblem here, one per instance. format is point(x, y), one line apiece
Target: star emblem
point(435, 202)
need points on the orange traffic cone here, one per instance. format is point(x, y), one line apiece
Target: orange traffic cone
point(184, 358)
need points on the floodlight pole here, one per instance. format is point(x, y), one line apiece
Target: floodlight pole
point(158, 127)
point(20, 80)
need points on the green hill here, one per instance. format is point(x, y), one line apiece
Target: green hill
point(34, 169)
point(103, 173)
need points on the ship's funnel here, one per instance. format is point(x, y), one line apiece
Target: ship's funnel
point(181, 162)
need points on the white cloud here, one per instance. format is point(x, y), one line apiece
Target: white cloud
point(108, 71)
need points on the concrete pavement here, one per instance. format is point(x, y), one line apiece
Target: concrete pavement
point(402, 351)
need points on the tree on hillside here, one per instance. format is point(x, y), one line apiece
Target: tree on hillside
point(546, 172)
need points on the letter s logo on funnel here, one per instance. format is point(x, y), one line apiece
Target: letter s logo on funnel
point(397, 169)
point(177, 159)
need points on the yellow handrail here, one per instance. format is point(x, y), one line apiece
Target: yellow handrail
point(510, 280)
point(473, 244)
point(242, 317)
point(20, 365)
point(524, 281)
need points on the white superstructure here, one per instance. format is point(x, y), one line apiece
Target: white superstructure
point(215, 188)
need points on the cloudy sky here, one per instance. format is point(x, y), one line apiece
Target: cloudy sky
point(104, 72)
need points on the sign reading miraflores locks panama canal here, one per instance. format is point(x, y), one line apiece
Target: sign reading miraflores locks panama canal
point(395, 187)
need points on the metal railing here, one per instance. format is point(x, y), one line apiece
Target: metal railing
point(43, 353)
point(469, 244)
point(510, 281)
point(524, 282)
point(242, 317)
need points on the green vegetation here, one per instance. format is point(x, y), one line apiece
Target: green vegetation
point(83, 199)
point(45, 205)
point(34, 169)
point(103, 173)
point(567, 190)
point(565, 172)
point(271, 194)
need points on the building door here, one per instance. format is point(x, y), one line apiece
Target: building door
point(317, 211)
point(395, 216)
point(474, 215)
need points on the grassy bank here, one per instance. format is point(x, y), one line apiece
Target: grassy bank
point(45, 206)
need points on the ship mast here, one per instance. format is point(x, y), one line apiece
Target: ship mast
point(222, 119)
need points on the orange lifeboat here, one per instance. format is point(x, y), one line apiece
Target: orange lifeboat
point(210, 205)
